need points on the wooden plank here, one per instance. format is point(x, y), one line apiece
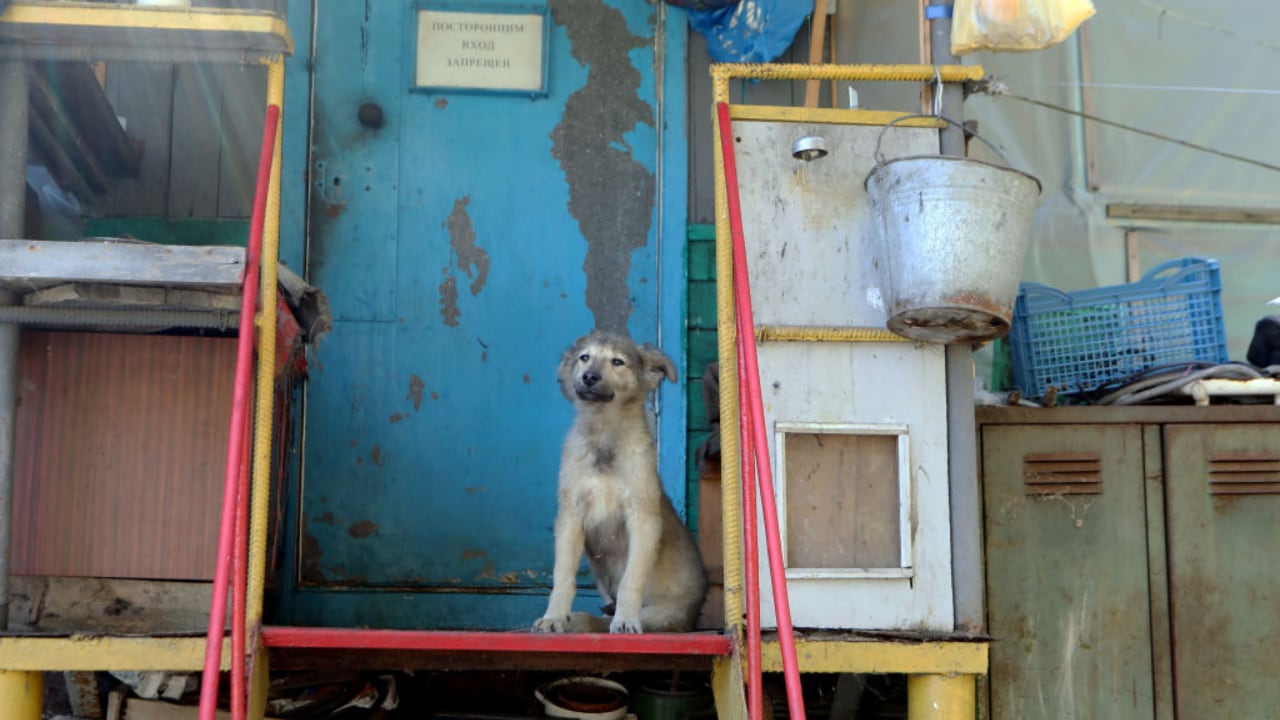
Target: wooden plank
point(110, 606)
point(1194, 213)
point(818, 19)
point(26, 261)
point(878, 656)
point(244, 104)
point(197, 133)
point(770, 113)
point(82, 93)
point(46, 149)
point(47, 105)
point(120, 452)
point(99, 652)
point(1089, 104)
point(82, 294)
point(99, 295)
point(842, 501)
point(142, 93)
point(1133, 256)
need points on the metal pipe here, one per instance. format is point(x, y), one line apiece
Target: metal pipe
point(21, 694)
point(111, 318)
point(14, 90)
point(941, 697)
point(952, 93)
point(236, 448)
point(751, 560)
point(760, 440)
point(965, 497)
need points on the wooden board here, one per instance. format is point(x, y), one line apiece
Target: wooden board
point(147, 90)
point(197, 130)
point(244, 104)
point(110, 606)
point(25, 264)
point(120, 452)
point(842, 501)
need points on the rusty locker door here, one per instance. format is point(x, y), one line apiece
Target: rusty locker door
point(465, 239)
point(1068, 598)
point(1224, 528)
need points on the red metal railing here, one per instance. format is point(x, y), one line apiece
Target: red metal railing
point(232, 534)
point(755, 442)
point(232, 565)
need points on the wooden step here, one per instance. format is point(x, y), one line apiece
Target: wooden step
point(351, 648)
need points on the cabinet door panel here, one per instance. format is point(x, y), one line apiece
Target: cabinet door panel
point(1223, 487)
point(1067, 581)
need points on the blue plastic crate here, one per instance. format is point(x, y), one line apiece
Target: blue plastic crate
point(1077, 342)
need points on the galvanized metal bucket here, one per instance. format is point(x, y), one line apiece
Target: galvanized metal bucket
point(955, 233)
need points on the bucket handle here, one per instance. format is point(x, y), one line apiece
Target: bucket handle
point(880, 160)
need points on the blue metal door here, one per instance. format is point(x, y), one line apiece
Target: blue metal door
point(464, 240)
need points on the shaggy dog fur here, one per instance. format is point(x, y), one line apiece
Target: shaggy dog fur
point(611, 502)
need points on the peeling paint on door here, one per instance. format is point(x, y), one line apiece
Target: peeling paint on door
point(611, 193)
point(497, 228)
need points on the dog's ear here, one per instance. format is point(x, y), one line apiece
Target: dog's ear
point(656, 366)
point(565, 372)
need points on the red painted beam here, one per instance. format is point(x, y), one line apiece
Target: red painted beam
point(709, 644)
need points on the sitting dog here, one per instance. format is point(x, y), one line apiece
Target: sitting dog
point(611, 502)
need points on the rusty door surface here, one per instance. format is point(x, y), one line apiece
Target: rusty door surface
point(1067, 576)
point(1223, 503)
point(465, 239)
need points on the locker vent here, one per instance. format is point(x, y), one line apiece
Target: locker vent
point(1062, 474)
point(1244, 475)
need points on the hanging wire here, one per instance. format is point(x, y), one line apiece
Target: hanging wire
point(1169, 88)
point(998, 89)
point(1206, 25)
point(937, 91)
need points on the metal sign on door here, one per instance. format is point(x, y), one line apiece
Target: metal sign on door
point(464, 240)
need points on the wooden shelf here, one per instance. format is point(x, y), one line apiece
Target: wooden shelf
point(99, 31)
point(32, 264)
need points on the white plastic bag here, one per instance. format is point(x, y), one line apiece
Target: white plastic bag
point(1015, 24)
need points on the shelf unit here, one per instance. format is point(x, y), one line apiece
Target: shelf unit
point(33, 32)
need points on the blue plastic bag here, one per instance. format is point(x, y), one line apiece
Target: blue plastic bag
point(750, 31)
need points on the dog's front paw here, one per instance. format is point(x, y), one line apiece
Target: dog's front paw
point(622, 625)
point(551, 624)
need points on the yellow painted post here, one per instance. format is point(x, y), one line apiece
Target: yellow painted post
point(941, 697)
point(726, 685)
point(259, 679)
point(265, 388)
point(21, 694)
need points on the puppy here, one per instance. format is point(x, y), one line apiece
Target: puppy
point(611, 502)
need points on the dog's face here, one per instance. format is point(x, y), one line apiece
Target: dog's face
point(605, 366)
